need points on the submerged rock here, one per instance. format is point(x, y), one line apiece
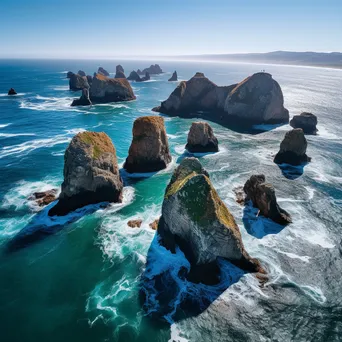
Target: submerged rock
point(133, 76)
point(293, 148)
point(257, 99)
point(45, 197)
point(174, 77)
point(149, 150)
point(306, 121)
point(91, 173)
point(201, 138)
point(103, 72)
point(263, 197)
point(134, 223)
point(154, 225)
point(196, 219)
point(12, 92)
point(84, 100)
point(78, 82)
point(81, 73)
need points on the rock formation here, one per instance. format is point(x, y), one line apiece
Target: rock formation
point(81, 73)
point(78, 82)
point(133, 76)
point(45, 197)
point(119, 73)
point(12, 92)
point(257, 99)
point(149, 150)
point(89, 79)
point(103, 72)
point(174, 77)
point(134, 223)
point(152, 70)
point(306, 121)
point(263, 197)
point(293, 148)
point(147, 77)
point(84, 100)
point(201, 138)
point(69, 74)
point(105, 90)
point(154, 225)
point(196, 219)
point(91, 173)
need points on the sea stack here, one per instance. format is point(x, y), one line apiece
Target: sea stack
point(152, 70)
point(263, 197)
point(84, 100)
point(77, 82)
point(147, 77)
point(149, 150)
point(306, 121)
point(293, 148)
point(91, 173)
point(12, 92)
point(201, 138)
point(174, 77)
point(103, 72)
point(195, 219)
point(133, 76)
point(119, 72)
point(257, 99)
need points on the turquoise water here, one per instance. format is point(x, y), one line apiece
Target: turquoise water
point(81, 282)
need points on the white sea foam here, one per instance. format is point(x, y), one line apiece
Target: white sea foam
point(11, 135)
point(176, 334)
point(12, 96)
point(5, 125)
point(61, 88)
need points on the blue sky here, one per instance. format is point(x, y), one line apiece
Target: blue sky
point(110, 28)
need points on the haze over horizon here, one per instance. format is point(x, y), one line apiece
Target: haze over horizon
point(89, 29)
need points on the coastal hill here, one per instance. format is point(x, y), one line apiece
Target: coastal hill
point(322, 59)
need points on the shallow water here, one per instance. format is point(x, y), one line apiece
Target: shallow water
point(82, 281)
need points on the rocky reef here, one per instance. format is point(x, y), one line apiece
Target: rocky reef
point(149, 150)
point(174, 77)
point(195, 219)
point(91, 173)
point(263, 197)
point(306, 121)
point(152, 70)
point(293, 148)
point(103, 72)
point(201, 138)
point(44, 198)
point(12, 92)
point(105, 90)
point(257, 99)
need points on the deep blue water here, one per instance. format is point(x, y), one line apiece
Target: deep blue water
point(82, 282)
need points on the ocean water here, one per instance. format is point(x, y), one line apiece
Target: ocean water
point(81, 282)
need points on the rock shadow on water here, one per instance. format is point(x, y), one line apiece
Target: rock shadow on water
point(42, 225)
point(166, 292)
point(259, 226)
point(292, 172)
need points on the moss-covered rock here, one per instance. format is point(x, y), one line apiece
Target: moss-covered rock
point(195, 218)
point(91, 173)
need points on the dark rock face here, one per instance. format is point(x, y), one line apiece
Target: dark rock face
point(69, 74)
point(196, 95)
point(45, 197)
point(78, 82)
point(103, 72)
point(133, 76)
point(119, 73)
point(119, 68)
point(152, 70)
point(84, 100)
point(306, 121)
point(89, 79)
point(257, 99)
point(174, 77)
point(263, 197)
point(12, 92)
point(147, 77)
point(81, 73)
point(201, 138)
point(91, 173)
point(196, 219)
point(293, 148)
point(149, 150)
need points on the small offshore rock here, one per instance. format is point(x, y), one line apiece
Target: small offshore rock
point(84, 100)
point(174, 77)
point(134, 223)
point(44, 198)
point(201, 138)
point(306, 121)
point(154, 225)
point(133, 76)
point(12, 92)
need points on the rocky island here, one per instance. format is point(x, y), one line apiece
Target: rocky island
point(257, 99)
point(201, 138)
point(306, 121)
point(152, 70)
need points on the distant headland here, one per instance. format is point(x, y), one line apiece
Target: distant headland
point(317, 59)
